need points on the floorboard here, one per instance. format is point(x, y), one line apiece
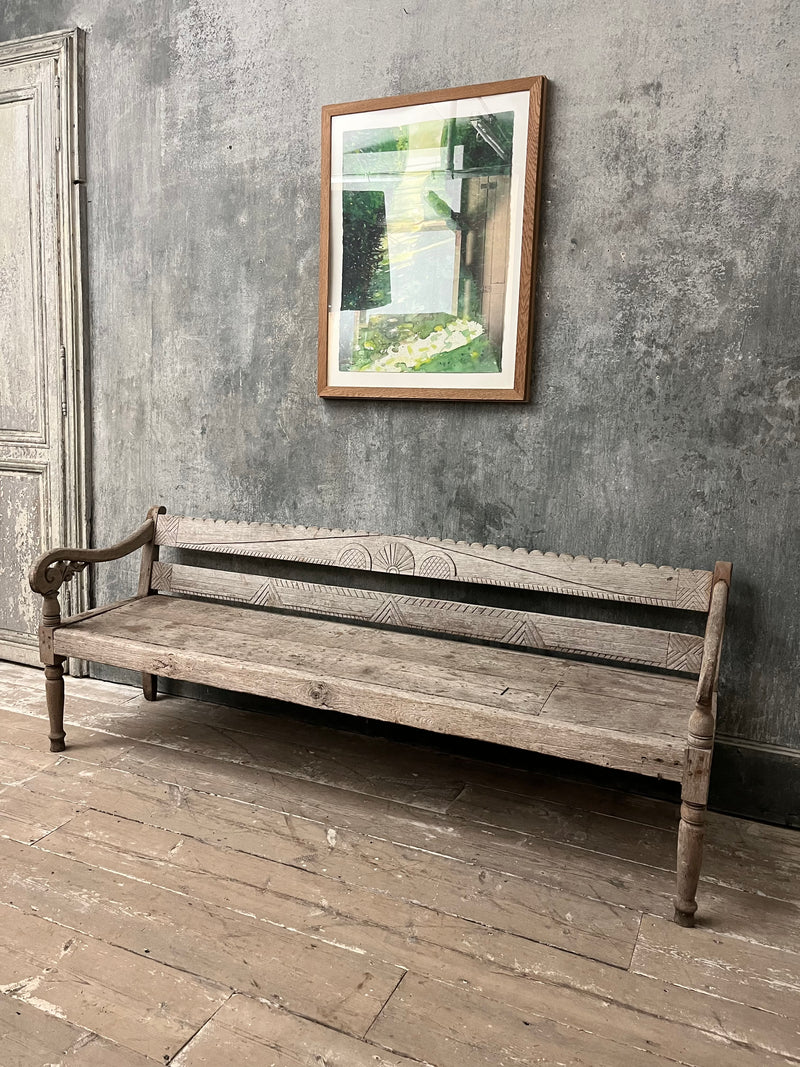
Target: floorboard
point(196, 884)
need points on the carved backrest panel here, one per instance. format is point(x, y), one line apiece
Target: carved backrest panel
point(451, 560)
point(524, 629)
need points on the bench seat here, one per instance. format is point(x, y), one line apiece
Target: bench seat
point(628, 719)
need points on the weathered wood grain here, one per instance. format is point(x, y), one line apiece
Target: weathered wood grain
point(627, 716)
point(438, 945)
point(133, 1001)
point(42, 424)
point(405, 772)
point(430, 941)
point(367, 765)
point(654, 846)
point(449, 560)
point(26, 821)
point(744, 856)
point(411, 773)
point(443, 1023)
point(311, 903)
point(407, 886)
point(20, 673)
point(568, 722)
point(314, 633)
point(32, 1037)
point(403, 873)
point(335, 985)
point(632, 884)
point(149, 623)
point(98, 1052)
point(739, 971)
point(253, 1033)
point(526, 629)
point(18, 764)
point(426, 695)
point(21, 725)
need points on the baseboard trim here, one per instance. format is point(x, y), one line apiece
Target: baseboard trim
point(757, 781)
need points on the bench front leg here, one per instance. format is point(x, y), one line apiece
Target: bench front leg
point(53, 671)
point(54, 694)
point(697, 771)
point(694, 799)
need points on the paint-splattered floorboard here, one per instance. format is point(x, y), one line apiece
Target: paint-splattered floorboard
point(199, 885)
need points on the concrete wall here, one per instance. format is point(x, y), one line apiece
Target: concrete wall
point(664, 420)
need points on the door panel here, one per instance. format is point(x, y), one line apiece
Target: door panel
point(38, 413)
point(23, 512)
point(21, 410)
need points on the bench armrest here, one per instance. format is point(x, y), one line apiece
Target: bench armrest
point(712, 642)
point(51, 570)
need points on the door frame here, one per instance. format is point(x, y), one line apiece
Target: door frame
point(66, 49)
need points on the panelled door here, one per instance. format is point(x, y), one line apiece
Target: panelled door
point(42, 454)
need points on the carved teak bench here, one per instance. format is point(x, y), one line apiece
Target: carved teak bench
point(566, 702)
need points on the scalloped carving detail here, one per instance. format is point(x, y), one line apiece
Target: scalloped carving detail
point(695, 584)
point(321, 532)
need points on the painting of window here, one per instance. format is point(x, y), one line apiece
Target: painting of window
point(426, 269)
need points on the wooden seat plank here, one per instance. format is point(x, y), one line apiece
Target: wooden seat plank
point(223, 646)
point(536, 674)
point(153, 626)
point(259, 636)
point(612, 713)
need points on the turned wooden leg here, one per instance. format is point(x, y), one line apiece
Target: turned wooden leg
point(54, 692)
point(690, 857)
point(694, 798)
point(149, 685)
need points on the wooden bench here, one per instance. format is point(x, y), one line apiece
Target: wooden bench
point(622, 696)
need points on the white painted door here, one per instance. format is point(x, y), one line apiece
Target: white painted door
point(41, 383)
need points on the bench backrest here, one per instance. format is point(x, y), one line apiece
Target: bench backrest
point(458, 561)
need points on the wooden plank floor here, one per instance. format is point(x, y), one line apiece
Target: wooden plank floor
point(198, 885)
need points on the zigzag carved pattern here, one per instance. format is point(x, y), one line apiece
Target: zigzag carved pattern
point(524, 633)
point(618, 643)
point(693, 592)
point(388, 613)
point(266, 596)
point(685, 652)
point(167, 529)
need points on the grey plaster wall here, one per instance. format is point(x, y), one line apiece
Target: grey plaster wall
point(664, 420)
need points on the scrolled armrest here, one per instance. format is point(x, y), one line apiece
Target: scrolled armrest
point(51, 570)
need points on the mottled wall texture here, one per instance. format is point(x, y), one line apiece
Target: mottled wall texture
point(664, 420)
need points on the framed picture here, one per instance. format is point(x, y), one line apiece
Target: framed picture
point(428, 252)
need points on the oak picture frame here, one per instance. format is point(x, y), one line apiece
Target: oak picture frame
point(428, 241)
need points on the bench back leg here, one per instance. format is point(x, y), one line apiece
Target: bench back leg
point(149, 685)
